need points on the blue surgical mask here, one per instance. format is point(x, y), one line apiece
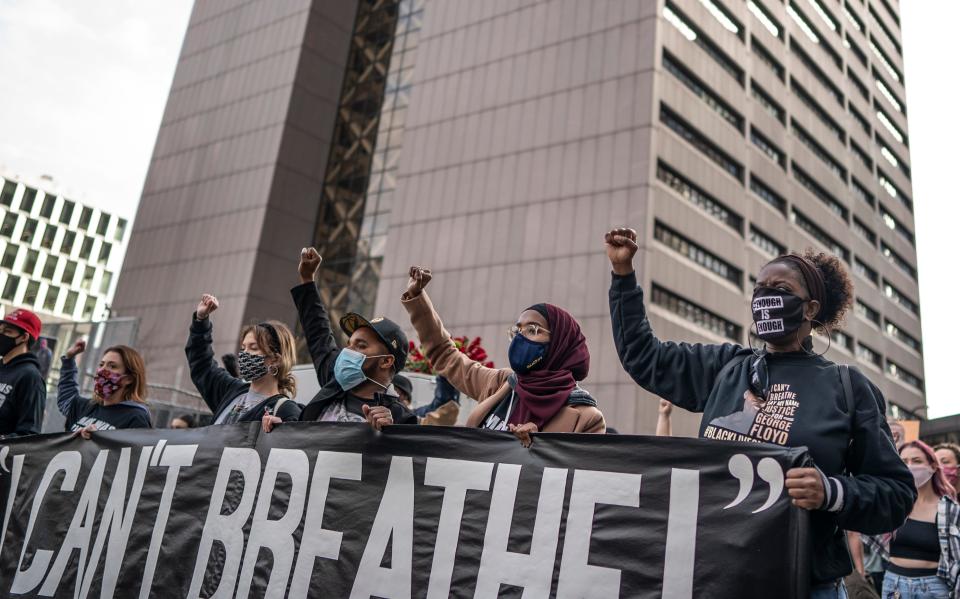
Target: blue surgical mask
point(526, 355)
point(348, 369)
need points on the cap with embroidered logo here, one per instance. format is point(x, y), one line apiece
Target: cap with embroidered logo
point(26, 321)
point(388, 331)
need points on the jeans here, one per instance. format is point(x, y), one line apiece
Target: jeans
point(829, 590)
point(924, 587)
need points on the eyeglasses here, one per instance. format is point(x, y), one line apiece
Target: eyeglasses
point(527, 330)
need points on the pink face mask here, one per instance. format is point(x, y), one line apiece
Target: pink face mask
point(951, 473)
point(106, 383)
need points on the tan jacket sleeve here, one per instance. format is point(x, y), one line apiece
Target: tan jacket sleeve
point(591, 421)
point(468, 376)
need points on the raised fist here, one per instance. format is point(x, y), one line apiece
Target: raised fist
point(621, 247)
point(77, 348)
point(419, 279)
point(309, 264)
point(208, 304)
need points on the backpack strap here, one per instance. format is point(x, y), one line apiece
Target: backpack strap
point(280, 401)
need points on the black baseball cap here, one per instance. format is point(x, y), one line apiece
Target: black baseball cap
point(388, 331)
point(402, 383)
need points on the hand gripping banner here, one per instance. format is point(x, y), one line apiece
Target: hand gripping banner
point(337, 510)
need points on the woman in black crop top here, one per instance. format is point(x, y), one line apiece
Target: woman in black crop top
point(924, 560)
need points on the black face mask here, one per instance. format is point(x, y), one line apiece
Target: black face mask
point(777, 313)
point(7, 344)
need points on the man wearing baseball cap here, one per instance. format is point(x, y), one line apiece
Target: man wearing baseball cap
point(358, 377)
point(23, 393)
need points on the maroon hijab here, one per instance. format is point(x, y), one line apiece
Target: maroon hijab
point(543, 392)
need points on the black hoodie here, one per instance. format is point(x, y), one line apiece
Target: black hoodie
point(23, 396)
point(869, 488)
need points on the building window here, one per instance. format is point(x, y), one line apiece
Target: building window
point(9, 256)
point(86, 215)
point(768, 148)
point(899, 334)
point(811, 32)
point(890, 156)
point(895, 225)
point(860, 119)
point(66, 212)
point(700, 142)
point(767, 102)
point(858, 84)
point(26, 202)
point(103, 224)
point(89, 307)
point(893, 191)
point(861, 192)
point(765, 243)
point(104, 253)
point(29, 231)
point(861, 268)
point(769, 22)
point(66, 244)
point(886, 93)
point(898, 260)
point(724, 17)
point(851, 15)
point(49, 235)
point(69, 271)
point(702, 91)
point(86, 250)
point(853, 47)
point(675, 17)
point(817, 233)
point(70, 303)
point(765, 193)
point(10, 288)
point(695, 314)
point(696, 253)
point(821, 194)
point(698, 197)
point(9, 224)
point(105, 281)
point(819, 151)
point(46, 208)
point(883, 26)
point(818, 111)
point(861, 155)
point(120, 229)
point(903, 375)
point(841, 339)
point(868, 355)
point(30, 295)
point(6, 196)
point(30, 262)
point(816, 71)
point(50, 267)
point(885, 60)
point(87, 281)
point(897, 297)
point(767, 58)
point(864, 232)
point(50, 303)
point(888, 124)
point(868, 313)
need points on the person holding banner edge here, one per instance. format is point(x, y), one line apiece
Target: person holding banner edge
point(540, 392)
point(783, 394)
point(265, 360)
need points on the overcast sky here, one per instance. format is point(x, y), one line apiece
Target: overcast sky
point(84, 84)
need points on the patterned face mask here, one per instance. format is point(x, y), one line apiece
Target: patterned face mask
point(251, 366)
point(106, 383)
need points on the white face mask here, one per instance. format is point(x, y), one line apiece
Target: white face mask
point(921, 474)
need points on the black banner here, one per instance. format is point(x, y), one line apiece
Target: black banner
point(337, 510)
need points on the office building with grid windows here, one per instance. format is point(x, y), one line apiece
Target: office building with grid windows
point(497, 141)
point(60, 256)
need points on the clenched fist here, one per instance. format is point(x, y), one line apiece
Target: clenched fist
point(208, 304)
point(77, 348)
point(419, 278)
point(309, 264)
point(621, 248)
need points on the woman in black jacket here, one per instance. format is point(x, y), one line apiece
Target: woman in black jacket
point(265, 361)
point(783, 393)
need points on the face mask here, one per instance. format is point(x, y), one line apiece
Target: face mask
point(525, 355)
point(106, 383)
point(251, 366)
point(951, 473)
point(776, 313)
point(7, 344)
point(348, 369)
point(921, 475)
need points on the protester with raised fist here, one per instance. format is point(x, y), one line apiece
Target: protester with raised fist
point(539, 392)
point(783, 393)
point(664, 424)
point(265, 360)
point(23, 393)
point(119, 392)
point(355, 381)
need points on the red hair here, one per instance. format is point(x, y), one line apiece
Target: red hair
point(940, 484)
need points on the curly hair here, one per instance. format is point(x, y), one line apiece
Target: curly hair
point(286, 356)
point(838, 288)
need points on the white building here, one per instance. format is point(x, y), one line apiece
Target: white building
point(58, 257)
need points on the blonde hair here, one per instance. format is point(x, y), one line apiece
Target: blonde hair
point(135, 369)
point(285, 354)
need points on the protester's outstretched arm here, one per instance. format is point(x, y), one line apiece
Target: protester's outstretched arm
point(314, 318)
point(469, 376)
point(213, 382)
point(68, 389)
point(682, 373)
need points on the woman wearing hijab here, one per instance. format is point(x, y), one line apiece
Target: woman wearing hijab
point(782, 393)
point(539, 392)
